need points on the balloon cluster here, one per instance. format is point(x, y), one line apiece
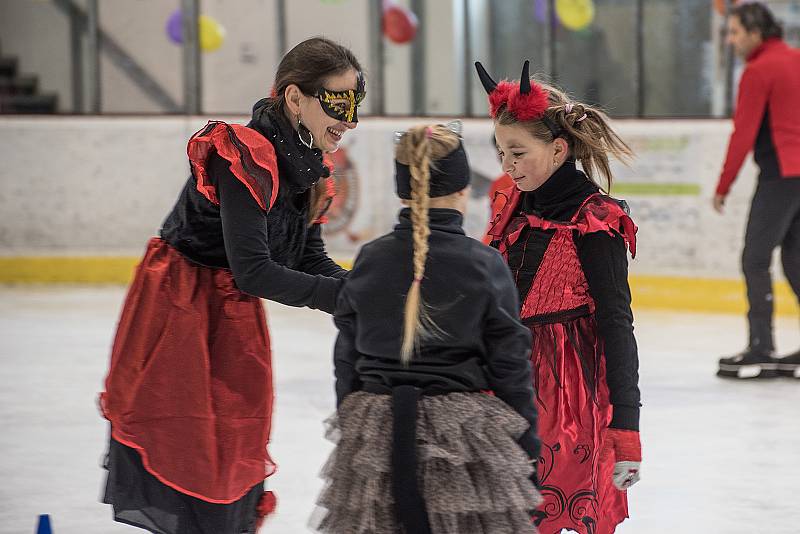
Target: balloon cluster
point(399, 23)
point(210, 32)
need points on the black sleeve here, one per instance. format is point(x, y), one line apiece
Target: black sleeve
point(605, 263)
point(315, 259)
point(345, 354)
point(244, 230)
point(508, 345)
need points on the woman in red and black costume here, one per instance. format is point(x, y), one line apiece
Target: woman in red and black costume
point(566, 243)
point(189, 391)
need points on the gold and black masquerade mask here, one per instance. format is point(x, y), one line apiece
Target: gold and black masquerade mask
point(343, 105)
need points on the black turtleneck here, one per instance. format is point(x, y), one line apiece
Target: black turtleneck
point(605, 264)
point(561, 195)
point(478, 342)
point(275, 254)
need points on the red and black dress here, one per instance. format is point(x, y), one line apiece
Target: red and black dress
point(189, 390)
point(566, 244)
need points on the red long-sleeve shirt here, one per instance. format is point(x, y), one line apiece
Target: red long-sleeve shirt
point(503, 181)
point(770, 84)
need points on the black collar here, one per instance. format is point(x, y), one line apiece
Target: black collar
point(442, 219)
point(561, 195)
point(300, 167)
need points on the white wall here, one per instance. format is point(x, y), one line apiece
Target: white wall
point(443, 63)
point(397, 81)
point(139, 28)
point(78, 186)
point(241, 71)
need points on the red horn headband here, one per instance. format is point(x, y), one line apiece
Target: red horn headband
point(525, 100)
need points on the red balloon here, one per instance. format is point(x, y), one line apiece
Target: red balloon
point(399, 24)
point(719, 5)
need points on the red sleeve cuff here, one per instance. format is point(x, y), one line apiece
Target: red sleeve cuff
point(723, 187)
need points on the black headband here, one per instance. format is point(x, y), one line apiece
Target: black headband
point(555, 130)
point(448, 175)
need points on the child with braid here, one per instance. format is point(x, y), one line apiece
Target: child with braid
point(428, 324)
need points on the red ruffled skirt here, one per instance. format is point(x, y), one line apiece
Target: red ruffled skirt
point(572, 400)
point(190, 382)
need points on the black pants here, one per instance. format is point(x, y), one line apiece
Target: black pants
point(774, 222)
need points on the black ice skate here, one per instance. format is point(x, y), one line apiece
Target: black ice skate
point(749, 364)
point(789, 366)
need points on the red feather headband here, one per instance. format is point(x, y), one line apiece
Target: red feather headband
point(525, 100)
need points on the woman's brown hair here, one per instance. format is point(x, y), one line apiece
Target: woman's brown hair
point(307, 65)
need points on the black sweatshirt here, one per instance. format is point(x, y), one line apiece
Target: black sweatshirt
point(480, 343)
point(273, 255)
point(604, 261)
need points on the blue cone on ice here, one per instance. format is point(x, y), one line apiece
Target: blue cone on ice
point(44, 525)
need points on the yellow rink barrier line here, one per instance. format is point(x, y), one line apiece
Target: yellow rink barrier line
point(710, 295)
point(67, 269)
point(649, 292)
point(670, 189)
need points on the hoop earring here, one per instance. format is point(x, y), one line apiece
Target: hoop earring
point(310, 142)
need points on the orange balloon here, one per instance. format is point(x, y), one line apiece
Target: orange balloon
point(399, 24)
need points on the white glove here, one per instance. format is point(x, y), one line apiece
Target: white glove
point(625, 450)
point(626, 474)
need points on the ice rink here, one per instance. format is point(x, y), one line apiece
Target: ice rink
point(719, 456)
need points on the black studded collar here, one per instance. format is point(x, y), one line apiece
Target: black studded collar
point(300, 167)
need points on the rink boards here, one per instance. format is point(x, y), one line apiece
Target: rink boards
point(81, 196)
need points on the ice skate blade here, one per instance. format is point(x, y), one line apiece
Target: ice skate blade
point(789, 370)
point(767, 370)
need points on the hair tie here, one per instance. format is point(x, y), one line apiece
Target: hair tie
point(582, 117)
point(417, 280)
point(568, 107)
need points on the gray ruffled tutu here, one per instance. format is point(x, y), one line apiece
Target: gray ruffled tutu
point(472, 474)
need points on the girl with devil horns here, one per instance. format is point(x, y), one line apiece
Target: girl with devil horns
point(189, 391)
point(566, 244)
point(428, 320)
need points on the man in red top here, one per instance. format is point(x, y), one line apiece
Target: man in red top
point(767, 120)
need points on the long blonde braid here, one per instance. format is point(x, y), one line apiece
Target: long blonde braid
point(419, 148)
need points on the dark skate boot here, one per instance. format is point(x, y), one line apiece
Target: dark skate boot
point(749, 364)
point(789, 366)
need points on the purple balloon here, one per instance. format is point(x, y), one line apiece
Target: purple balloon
point(540, 13)
point(175, 27)
point(540, 10)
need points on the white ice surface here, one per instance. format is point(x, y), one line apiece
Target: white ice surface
point(719, 456)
